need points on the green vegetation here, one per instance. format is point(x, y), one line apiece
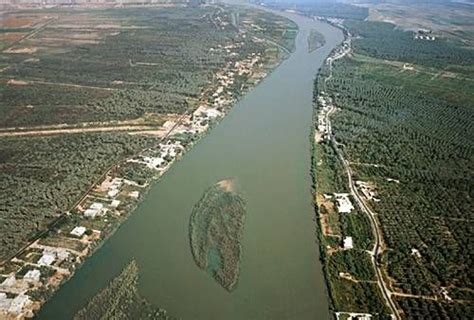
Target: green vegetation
point(121, 300)
point(405, 120)
point(315, 40)
point(123, 70)
point(383, 40)
point(94, 68)
point(215, 232)
point(268, 26)
point(42, 177)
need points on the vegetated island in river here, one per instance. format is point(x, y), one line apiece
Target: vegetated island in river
point(315, 40)
point(120, 299)
point(215, 232)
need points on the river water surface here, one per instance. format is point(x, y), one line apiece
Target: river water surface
point(264, 142)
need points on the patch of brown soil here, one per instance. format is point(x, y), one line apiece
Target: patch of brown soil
point(11, 36)
point(228, 185)
point(27, 50)
point(14, 82)
point(16, 22)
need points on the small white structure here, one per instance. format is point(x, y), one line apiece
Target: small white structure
point(344, 205)
point(112, 193)
point(90, 213)
point(348, 244)
point(62, 254)
point(18, 303)
point(134, 194)
point(94, 210)
point(4, 301)
point(9, 282)
point(32, 275)
point(47, 259)
point(78, 231)
point(97, 206)
point(114, 204)
point(415, 253)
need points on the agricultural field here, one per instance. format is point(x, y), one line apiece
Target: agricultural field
point(83, 89)
point(404, 115)
point(215, 232)
point(451, 20)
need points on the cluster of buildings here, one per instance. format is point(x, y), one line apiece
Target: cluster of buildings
point(367, 190)
point(353, 316)
point(344, 206)
point(323, 126)
point(47, 262)
point(40, 266)
point(159, 159)
point(423, 34)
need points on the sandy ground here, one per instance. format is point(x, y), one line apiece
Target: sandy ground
point(134, 129)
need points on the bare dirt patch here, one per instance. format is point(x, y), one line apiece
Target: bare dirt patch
point(11, 36)
point(27, 50)
point(324, 214)
point(228, 185)
point(16, 22)
point(14, 82)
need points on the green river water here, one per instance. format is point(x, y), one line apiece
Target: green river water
point(264, 142)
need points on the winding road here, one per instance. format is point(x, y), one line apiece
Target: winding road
point(377, 250)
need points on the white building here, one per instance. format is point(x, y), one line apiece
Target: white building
point(344, 204)
point(18, 303)
point(114, 204)
point(134, 194)
point(94, 210)
point(32, 275)
point(4, 301)
point(47, 259)
point(112, 193)
point(348, 244)
point(78, 231)
point(9, 282)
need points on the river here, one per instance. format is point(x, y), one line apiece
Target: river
point(265, 143)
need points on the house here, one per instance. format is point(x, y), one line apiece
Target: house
point(90, 213)
point(114, 204)
point(347, 243)
point(47, 258)
point(112, 193)
point(62, 254)
point(9, 282)
point(134, 194)
point(32, 275)
point(344, 204)
point(4, 301)
point(78, 231)
point(94, 210)
point(18, 303)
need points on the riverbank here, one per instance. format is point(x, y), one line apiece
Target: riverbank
point(38, 270)
point(350, 239)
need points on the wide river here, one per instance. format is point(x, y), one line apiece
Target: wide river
point(265, 143)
